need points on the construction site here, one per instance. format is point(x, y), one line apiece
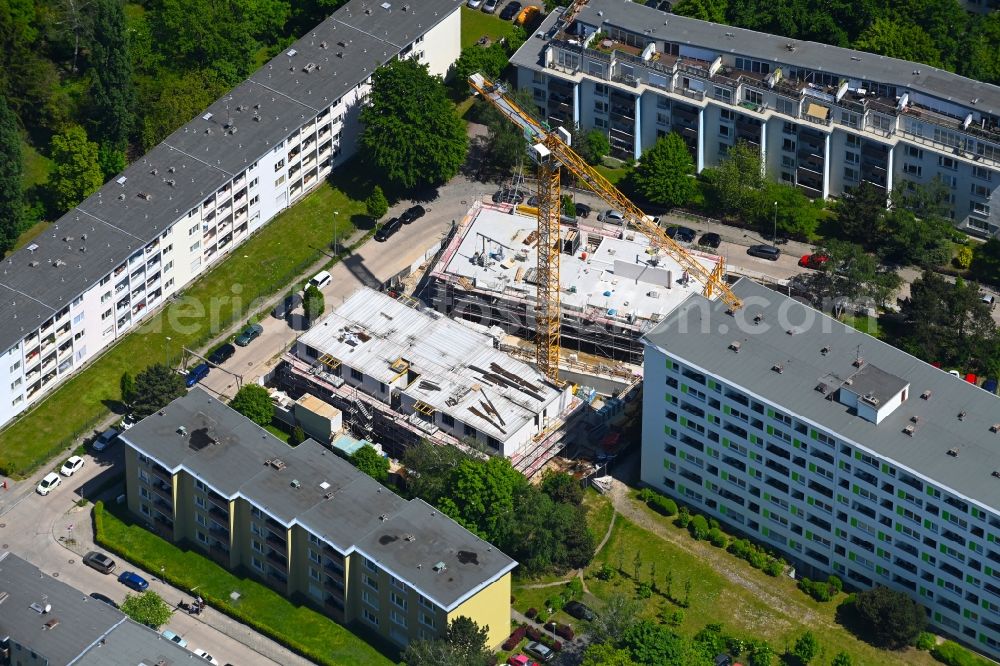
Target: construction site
point(614, 285)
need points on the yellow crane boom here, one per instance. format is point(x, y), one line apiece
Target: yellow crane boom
point(551, 151)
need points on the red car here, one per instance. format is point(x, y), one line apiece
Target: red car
point(814, 261)
point(520, 660)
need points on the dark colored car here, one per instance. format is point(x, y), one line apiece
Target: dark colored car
point(990, 385)
point(285, 307)
point(711, 239)
point(99, 561)
point(682, 234)
point(412, 213)
point(580, 611)
point(222, 354)
point(510, 11)
point(249, 334)
point(582, 210)
point(388, 229)
point(197, 373)
point(768, 252)
point(133, 580)
point(104, 599)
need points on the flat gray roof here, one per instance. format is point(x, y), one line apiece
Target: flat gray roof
point(317, 489)
point(285, 97)
point(132, 644)
point(73, 625)
point(850, 63)
point(873, 381)
point(822, 350)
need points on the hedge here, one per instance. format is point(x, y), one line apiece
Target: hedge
point(516, 637)
point(953, 654)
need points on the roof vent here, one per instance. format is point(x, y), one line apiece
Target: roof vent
point(276, 463)
point(961, 415)
point(953, 452)
point(822, 388)
point(40, 609)
point(154, 171)
point(909, 430)
point(171, 170)
point(735, 346)
point(757, 318)
point(145, 196)
point(51, 624)
point(824, 351)
point(914, 419)
point(383, 518)
point(409, 537)
point(296, 484)
point(791, 331)
point(995, 427)
point(182, 430)
point(858, 362)
point(121, 180)
point(33, 263)
point(926, 395)
point(439, 567)
point(32, 247)
point(309, 67)
point(777, 367)
point(872, 399)
point(996, 473)
point(291, 52)
point(328, 496)
point(207, 116)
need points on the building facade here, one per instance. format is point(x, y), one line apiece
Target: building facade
point(824, 118)
point(845, 454)
point(307, 523)
point(120, 254)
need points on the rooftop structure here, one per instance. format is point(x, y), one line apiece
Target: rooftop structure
point(310, 487)
point(615, 284)
point(438, 375)
point(42, 616)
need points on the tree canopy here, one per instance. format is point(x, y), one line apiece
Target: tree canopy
point(147, 608)
point(892, 618)
point(371, 462)
point(464, 644)
point(313, 303)
point(76, 173)
point(376, 205)
point(254, 402)
point(412, 133)
point(114, 88)
point(155, 388)
point(665, 173)
point(11, 172)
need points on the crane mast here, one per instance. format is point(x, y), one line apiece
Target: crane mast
point(550, 152)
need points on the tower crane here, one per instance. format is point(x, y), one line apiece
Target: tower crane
point(550, 149)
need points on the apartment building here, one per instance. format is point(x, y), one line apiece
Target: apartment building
point(46, 622)
point(824, 118)
point(401, 373)
point(844, 453)
point(310, 525)
point(105, 265)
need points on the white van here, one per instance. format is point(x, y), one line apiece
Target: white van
point(320, 280)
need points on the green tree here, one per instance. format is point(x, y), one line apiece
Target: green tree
point(376, 205)
point(899, 39)
point(794, 215)
point(850, 275)
point(656, 645)
point(505, 145)
point(468, 639)
point(76, 173)
point(297, 436)
point(806, 648)
point(464, 644)
point(431, 468)
point(893, 618)
point(11, 175)
point(859, 213)
point(597, 145)
point(983, 61)
point(738, 178)
point(147, 608)
point(113, 91)
point(482, 496)
point(761, 654)
point(490, 61)
point(127, 387)
point(369, 461)
point(665, 174)
point(412, 133)
point(606, 654)
point(986, 262)
point(706, 10)
point(562, 487)
point(313, 303)
point(618, 613)
point(172, 100)
point(155, 388)
point(254, 402)
point(911, 240)
point(842, 659)
point(111, 160)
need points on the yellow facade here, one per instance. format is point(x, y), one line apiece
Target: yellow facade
point(490, 607)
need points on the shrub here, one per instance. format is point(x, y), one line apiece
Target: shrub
point(926, 641)
point(646, 495)
point(683, 517)
point(698, 527)
point(532, 612)
point(953, 654)
point(643, 591)
point(541, 617)
point(574, 588)
point(835, 583)
point(515, 638)
point(533, 633)
point(676, 618)
point(717, 538)
point(565, 631)
point(773, 567)
point(606, 572)
point(963, 257)
point(822, 591)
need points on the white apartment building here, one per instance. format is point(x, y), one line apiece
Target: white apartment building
point(824, 118)
point(844, 453)
point(106, 264)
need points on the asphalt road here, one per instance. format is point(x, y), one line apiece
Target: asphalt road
point(38, 528)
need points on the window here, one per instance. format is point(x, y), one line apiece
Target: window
point(428, 620)
point(257, 564)
point(947, 162)
point(977, 208)
point(256, 545)
point(356, 374)
point(982, 173)
point(426, 603)
point(314, 556)
point(200, 519)
point(371, 582)
point(370, 599)
point(398, 618)
point(200, 502)
point(370, 616)
point(144, 493)
point(279, 164)
point(913, 151)
point(398, 600)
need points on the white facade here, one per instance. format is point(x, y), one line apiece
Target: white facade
point(824, 127)
point(53, 341)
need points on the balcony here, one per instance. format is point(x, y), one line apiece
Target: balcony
point(215, 511)
point(161, 473)
point(333, 584)
point(277, 559)
point(275, 542)
point(334, 602)
point(163, 490)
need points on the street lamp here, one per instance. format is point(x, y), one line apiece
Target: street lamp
point(165, 341)
point(774, 232)
point(336, 232)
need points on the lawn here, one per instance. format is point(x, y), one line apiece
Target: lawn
point(230, 292)
point(613, 174)
point(300, 628)
point(749, 603)
point(476, 24)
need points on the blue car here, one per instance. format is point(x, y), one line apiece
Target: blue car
point(197, 373)
point(134, 581)
point(990, 385)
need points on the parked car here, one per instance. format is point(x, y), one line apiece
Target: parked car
point(582, 210)
point(388, 229)
point(768, 252)
point(48, 483)
point(221, 354)
point(321, 279)
point(174, 638)
point(104, 440)
point(490, 6)
point(99, 561)
point(539, 651)
point(249, 334)
point(103, 599)
point(990, 385)
point(681, 233)
point(611, 217)
point(508, 196)
point(971, 378)
point(412, 214)
point(814, 261)
point(520, 660)
point(580, 611)
point(132, 580)
point(510, 11)
point(285, 307)
point(197, 373)
point(526, 15)
point(475, 4)
point(711, 239)
point(70, 467)
point(989, 299)
point(206, 656)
